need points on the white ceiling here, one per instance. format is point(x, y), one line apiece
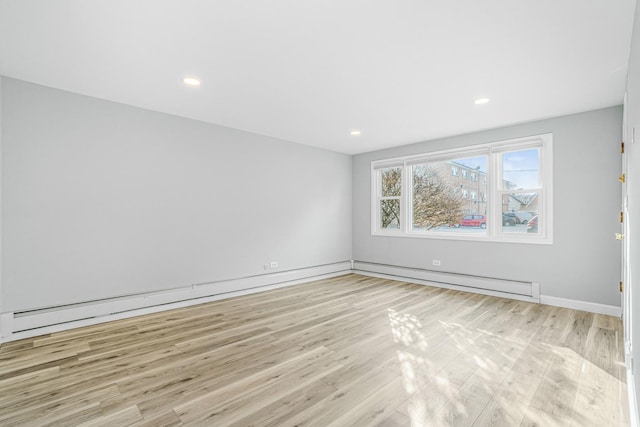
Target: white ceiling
point(310, 71)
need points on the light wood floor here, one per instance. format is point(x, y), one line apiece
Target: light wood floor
point(346, 351)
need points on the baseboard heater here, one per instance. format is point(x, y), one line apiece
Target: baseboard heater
point(515, 289)
point(28, 323)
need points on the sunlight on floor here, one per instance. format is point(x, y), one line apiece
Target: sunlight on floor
point(462, 374)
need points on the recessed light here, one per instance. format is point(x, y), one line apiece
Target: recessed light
point(191, 81)
point(355, 132)
point(481, 101)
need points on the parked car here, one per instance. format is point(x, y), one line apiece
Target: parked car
point(512, 215)
point(532, 225)
point(520, 217)
point(509, 219)
point(474, 221)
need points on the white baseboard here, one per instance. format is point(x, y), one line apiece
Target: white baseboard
point(520, 290)
point(592, 307)
point(17, 326)
point(633, 402)
point(5, 321)
point(447, 286)
point(14, 326)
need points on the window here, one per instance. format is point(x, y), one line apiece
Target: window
point(388, 197)
point(437, 200)
point(507, 198)
point(521, 188)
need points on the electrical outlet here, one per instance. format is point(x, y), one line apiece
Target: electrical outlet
point(274, 264)
point(436, 262)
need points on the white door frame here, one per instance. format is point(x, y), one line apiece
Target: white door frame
point(625, 274)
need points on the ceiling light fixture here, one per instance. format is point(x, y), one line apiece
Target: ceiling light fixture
point(355, 132)
point(481, 101)
point(191, 81)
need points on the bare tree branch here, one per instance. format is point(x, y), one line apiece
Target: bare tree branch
point(435, 202)
point(391, 187)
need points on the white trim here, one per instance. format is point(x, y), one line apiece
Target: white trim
point(447, 286)
point(452, 153)
point(513, 289)
point(29, 324)
point(376, 194)
point(633, 402)
point(16, 326)
point(592, 307)
point(461, 235)
point(2, 320)
point(520, 290)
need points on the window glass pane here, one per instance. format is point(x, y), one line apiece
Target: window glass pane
point(520, 169)
point(390, 182)
point(447, 202)
point(518, 209)
point(390, 214)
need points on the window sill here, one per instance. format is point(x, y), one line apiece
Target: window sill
point(469, 237)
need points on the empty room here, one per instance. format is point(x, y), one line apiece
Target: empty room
point(319, 213)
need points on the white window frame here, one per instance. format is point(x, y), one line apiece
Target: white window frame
point(494, 231)
point(377, 197)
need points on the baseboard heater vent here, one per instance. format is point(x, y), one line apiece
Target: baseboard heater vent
point(29, 323)
point(515, 289)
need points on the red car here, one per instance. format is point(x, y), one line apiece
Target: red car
point(474, 221)
point(532, 225)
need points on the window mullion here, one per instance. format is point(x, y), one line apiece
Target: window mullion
point(495, 197)
point(407, 193)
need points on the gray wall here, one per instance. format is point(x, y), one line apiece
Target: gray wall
point(632, 112)
point(101, 199)
point(584, 261)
